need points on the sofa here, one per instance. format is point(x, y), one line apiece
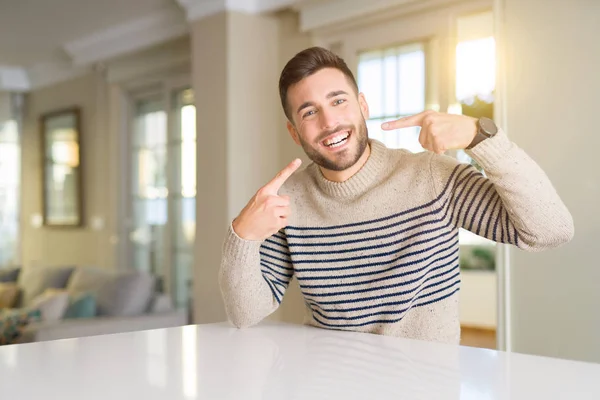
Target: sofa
point(62, 302)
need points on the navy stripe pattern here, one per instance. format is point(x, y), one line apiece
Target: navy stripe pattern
point(376, 271)
point(276, 265)
point(477, 207)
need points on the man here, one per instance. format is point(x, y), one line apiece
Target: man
point(371, 233)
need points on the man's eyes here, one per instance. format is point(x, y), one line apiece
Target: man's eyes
point(312, 112)
point(308, 114)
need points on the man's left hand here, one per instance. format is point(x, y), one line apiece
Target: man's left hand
point(439, 132)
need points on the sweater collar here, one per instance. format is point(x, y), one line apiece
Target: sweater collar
point(361, 181)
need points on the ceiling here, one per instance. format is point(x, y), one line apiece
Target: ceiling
point(35, 31)
point(45, 41)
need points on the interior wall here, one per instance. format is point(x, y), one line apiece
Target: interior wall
point(60, 246)
point(209, 81)
point(253, 122)
point(478, 300)
point(552, 85)
point(235, 79)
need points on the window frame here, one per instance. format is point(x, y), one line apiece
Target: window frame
point(17, 189)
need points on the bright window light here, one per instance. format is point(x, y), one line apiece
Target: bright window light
point(475, 69)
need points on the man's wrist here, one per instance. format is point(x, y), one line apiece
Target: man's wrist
point(485, 129)
point(492, 151)
point(240, 231)
point(236, 228)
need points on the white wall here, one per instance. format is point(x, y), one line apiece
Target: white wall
point(478, 299)
point(552, 64)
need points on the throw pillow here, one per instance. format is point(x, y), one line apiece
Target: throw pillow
point(81, 306)
point(9, 274)
point(35, 280)
point(13, 324)
point(52, 306)
point(9, 292)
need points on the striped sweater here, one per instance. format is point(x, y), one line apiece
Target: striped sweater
point(379, 252)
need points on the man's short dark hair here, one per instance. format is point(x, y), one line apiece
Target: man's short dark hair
point(306, 63)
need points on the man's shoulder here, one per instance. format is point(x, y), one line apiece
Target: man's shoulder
point(422, 159)
point(404, 159)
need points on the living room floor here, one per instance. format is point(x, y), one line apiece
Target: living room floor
point(478, 337)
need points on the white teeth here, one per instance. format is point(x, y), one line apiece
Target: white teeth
point(337, 144)
point(337, 139)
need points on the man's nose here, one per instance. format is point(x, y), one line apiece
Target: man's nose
point(329, 119)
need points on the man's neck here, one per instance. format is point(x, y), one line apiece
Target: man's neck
point(342, 176)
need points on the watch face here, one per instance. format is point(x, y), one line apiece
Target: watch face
point(488, 126)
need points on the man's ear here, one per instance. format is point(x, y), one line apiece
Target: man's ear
point(364, 107)
point(293, 132)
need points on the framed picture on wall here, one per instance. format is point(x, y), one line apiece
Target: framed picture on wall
point(61, 168)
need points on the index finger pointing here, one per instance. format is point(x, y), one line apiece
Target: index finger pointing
point(283, 175)
point(406, 122)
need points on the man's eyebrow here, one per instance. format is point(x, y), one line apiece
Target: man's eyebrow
point(336, 93)
point(304, 105)
point(329, 96)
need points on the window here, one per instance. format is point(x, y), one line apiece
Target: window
point(163, 192)
point(10, 165)
point(183, 195)
point(475, 81)
point(393, 81)
point(149, 192)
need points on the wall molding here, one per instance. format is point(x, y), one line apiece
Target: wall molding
point(332, 15)
point(198, 9)
point(176, 55)
point(14, 79)
point(132, 36)
point(50, 73)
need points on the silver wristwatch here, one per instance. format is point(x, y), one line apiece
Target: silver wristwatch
point(486, 128)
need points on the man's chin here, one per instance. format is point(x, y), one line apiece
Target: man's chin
point(340, 163)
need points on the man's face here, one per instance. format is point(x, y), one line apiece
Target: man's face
point(328, 119)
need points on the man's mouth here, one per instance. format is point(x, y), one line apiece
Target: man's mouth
point(336, 140)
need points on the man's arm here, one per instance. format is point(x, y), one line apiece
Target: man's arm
point(254, 276)
point(516, 203)
point(256, 268)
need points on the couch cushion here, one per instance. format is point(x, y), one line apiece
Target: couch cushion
point(89, 280)
point(35, 280)
point(117, 293)
point(9, 274)
point(9, 293)
point(126, 294)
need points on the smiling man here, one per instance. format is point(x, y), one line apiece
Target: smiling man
point(371, 233)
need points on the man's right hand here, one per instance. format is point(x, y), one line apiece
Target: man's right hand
point(267, 212)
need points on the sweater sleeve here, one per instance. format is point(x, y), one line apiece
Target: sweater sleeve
point(253, 277)
point(514, 203)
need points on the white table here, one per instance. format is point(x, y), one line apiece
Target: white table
point(275, 361)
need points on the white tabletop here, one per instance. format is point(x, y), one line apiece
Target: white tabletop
point(274, 361)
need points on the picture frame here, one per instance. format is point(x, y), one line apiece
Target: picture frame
point(62, 179)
